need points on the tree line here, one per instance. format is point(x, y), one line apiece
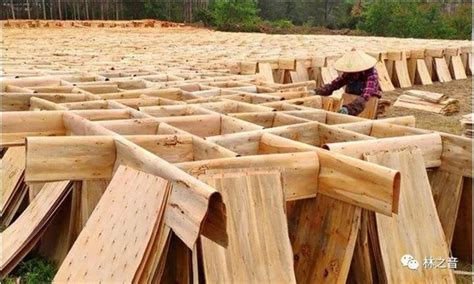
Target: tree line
point(420, 18)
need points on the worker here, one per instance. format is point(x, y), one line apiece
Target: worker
point(361, 81)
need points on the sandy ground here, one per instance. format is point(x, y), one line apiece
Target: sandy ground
point(459, 89)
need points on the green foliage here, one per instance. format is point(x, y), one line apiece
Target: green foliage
point(236, 15)
point(206, 16)
point(282, 24)
point(35, 269)
point(418, 20)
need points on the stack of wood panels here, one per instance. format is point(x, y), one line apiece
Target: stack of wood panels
point(428, 101)
point(20, 237)
point(466, 123)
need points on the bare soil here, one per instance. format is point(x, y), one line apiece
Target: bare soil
point(458, 89)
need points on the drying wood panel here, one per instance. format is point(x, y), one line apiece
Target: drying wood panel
point(259, 247)
point(114, 241)
point(401, 75)
point(265, 69)
point(416, 229)
point(384, 78)
point(442, 70)
point(462, 240)
point(323, 233)
point(422, 73)
point(91, 192)
point(20, 237)
point(457, 68)
point(447, 189)
point(12, 167)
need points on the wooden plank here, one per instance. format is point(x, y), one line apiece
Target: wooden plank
point(91, 192)
point(458, 71)
point(193, 207)
point(446, 189)
point(112, 230)
point(263, 254)
point(265, 69)
point(18, 238)
point(363, 267)
point(462, 239)
point(402, 234)
point(299, 171)
point(12, 168)
point(429, 144)
point(323, 233)
point(18, 125)
point(423, 75)
point(442, 70)
point(72, 158)
point(401, 74)
point(385, 82)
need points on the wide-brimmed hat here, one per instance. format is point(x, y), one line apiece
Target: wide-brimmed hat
point(354, 61)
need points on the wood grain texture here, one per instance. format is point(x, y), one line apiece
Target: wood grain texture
point(462, 239)
point(18, 238)
point(12, 168)
point(416, 230)
point(118, 231)
point(259, 247)
point(323, 233)
point(446, 188)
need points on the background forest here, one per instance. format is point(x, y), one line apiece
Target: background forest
point(422, 19)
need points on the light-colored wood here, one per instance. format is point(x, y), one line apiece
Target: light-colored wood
point(402, 233)
point(370, 110)
point(265, 69)
point(299, 171)
point(12, 168)
point(401, 75)
point(362, 267)
point(193, 206)
point(259, 247)
point(77, 158)
point(442, 70)
point(462, 239)
point(384, 78)
point(446, 189)
point(91, 192)
point(445, 107)
point(423, 75)
point(323, 233)
point(427, 96)
point(113, 229)
point(18, 125)
point(429, 144)
point(458, 71)
point(456, 157)
point(18, 239)
point(348, 180)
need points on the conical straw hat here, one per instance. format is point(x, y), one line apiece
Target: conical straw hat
point(354, 61)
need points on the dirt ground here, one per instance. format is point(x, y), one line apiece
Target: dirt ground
point(458, 89)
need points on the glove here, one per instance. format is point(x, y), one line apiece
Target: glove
point(323, 91)
point(344, 110)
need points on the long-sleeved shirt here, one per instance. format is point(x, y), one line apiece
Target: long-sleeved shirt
point(365, 84)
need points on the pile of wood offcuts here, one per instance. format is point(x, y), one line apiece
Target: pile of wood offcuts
point(428, 101)
point(147, 170)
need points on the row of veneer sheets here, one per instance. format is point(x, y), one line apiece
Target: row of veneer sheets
point(19, 238)
point(219, 48)
point(257, 196)
point(259, 248)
